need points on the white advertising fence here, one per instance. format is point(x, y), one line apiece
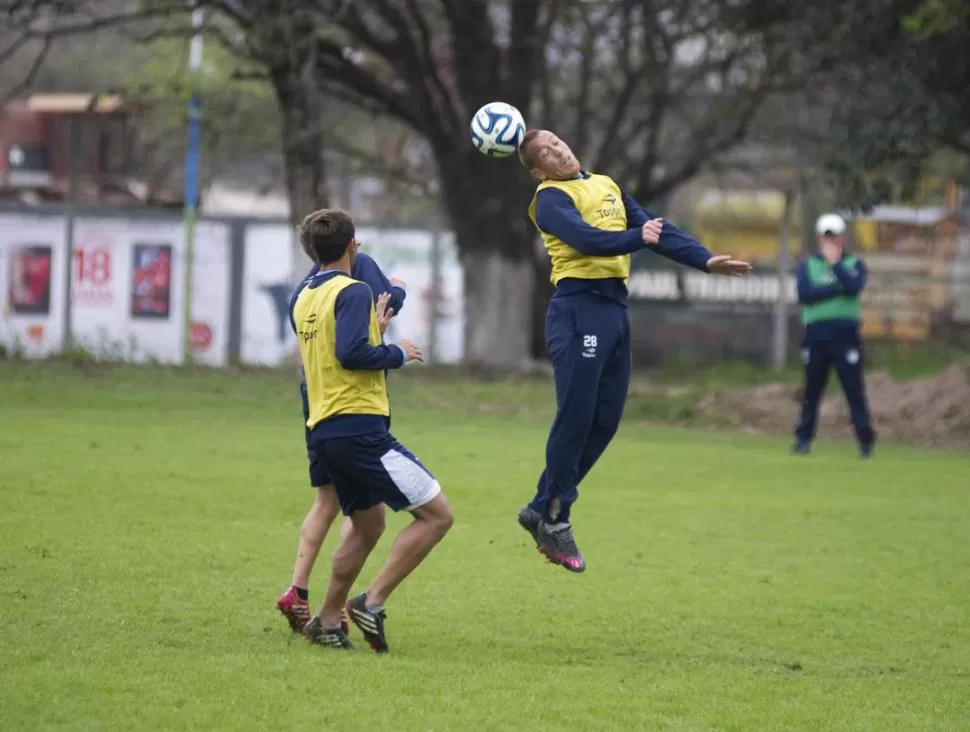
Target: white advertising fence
point(127, 298)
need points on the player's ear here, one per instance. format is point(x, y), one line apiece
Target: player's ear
point(538, 174)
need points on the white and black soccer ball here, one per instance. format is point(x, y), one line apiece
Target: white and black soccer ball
point(497, 129)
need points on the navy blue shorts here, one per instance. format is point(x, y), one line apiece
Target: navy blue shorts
point(371, 469)
point(319, 476)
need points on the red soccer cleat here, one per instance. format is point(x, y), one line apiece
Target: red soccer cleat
point(295, 610)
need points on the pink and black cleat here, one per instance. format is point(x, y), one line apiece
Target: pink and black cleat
point(557, 542)
point(529, 519)
point(295, 610)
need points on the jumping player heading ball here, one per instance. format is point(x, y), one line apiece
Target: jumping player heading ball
point(590, 226)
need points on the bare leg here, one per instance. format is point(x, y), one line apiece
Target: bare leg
point(359, 536)
point(431, 523)
point(314, 530)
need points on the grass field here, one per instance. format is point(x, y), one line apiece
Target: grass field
point(148, 522)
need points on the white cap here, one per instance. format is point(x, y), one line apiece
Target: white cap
point(830, 222)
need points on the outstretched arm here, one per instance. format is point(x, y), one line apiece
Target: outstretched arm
point(556, 214)
point(352, 348)
point(674, 244)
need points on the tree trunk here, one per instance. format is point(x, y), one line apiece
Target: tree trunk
point(282, 36)
point(304, 164)
point(498, 295)
point(303, 146)
point(487, 203)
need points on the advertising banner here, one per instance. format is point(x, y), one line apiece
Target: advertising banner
point(126, 288)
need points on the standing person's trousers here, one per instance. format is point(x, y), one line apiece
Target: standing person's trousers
point(844, 352)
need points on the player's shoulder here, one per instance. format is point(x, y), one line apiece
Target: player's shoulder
point(302, 284)
point(326, 284)
point(366, 268)
point(354, 299)
point(362, 259)
point(353, 289)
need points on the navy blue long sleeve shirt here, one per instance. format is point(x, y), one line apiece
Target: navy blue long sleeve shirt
point(852, 281)
point(557, 214)
point(809, 294)
point(366, 270)
point(353, 350)
point(352, 346)
point(848, 283)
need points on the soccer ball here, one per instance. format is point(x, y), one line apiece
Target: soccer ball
point(497, 129)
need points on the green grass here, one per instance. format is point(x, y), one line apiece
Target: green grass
point(148, 521)
point(904, 361)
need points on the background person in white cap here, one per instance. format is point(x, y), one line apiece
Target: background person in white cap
point(829, 284)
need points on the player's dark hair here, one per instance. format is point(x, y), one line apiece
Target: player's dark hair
point(525, 151)
point(326, 234)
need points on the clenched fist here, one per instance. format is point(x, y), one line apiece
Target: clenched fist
point(651, 231)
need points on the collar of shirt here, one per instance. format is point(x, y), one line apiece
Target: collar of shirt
point(322, 276)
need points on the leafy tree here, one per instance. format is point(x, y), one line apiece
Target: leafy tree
point(895, 73)
point(652, 91)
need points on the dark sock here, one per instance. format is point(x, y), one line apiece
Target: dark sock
point(303, 593)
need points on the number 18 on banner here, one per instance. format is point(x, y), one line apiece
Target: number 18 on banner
point(92, 266)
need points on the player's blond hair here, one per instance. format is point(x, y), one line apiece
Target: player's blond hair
point(525, 148)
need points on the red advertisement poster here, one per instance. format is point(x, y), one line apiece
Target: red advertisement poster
point(151, 280)
point(30, 280)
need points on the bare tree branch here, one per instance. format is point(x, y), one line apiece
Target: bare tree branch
point(592, 30)
point(209, 31)
point(527, 42)
point(87, 23)
point(406, 52)
point(10, 51)
point(367, 33)
point(425, 64)
point(27, 81)
point(333, 65)
point(623, 96)
point(235, 11)
point(376, 163)
point(475, 53)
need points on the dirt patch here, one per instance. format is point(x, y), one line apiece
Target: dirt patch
point(931, 412)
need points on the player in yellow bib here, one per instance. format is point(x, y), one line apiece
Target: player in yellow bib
point(345, 361)
point(590, 227)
